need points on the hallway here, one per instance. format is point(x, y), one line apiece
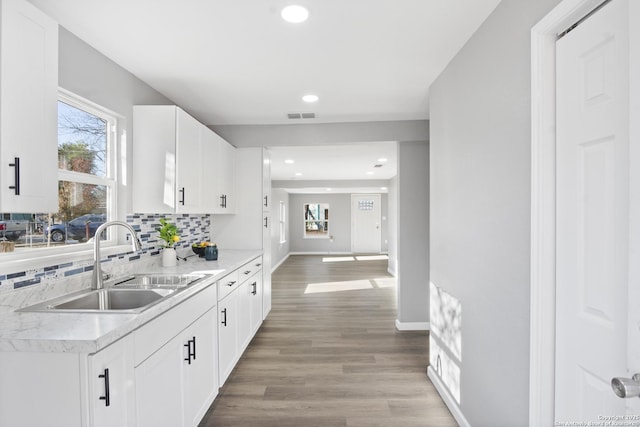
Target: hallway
point(329, 354)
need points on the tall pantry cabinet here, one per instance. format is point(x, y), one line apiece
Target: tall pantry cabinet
point(250, 227)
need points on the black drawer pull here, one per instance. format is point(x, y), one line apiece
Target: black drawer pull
point(182, 199)
point(255, 288)
point(106, 397)
point(16, 174)
point(231, 283)
point(224, 321)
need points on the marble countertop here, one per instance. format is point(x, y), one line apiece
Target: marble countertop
point(88, 332)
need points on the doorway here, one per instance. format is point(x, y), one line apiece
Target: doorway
point(365, 223)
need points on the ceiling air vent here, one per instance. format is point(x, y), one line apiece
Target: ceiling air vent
point(377, 166)
point(301, 115)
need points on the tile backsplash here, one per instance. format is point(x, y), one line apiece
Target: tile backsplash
point(192, 228)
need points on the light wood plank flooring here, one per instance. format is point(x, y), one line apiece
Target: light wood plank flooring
point(329, 354)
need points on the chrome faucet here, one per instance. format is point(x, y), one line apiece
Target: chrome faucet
point(96, 282)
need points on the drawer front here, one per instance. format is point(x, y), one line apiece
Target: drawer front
point(153, 335)
point(249, 269)
point(227, 284)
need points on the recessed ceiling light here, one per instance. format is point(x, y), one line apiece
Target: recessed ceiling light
point(382, 159)
point(328, 189)
point(294, 14)
point(298, 173)
point(369, 173)
point(289, 161)
point(384, 188)
point(310, 98)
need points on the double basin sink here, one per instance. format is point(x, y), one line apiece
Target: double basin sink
point(128, 295)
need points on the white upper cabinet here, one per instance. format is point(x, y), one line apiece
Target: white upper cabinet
point(176, 162)
point(219, 174)
point(28, 109)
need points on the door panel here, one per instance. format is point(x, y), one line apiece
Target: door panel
point(365, 223)
point(592, 215)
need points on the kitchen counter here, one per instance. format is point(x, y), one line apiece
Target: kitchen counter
point(88, 332)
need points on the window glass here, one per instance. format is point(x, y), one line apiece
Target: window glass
point(316, 220)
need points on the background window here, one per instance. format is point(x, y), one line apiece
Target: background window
point(316, 220)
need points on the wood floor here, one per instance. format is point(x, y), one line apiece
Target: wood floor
point(329, 354)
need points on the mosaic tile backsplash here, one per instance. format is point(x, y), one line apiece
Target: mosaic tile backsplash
point(192, 228)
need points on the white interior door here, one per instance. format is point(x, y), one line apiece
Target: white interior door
point(594, 191)
point(365, 223)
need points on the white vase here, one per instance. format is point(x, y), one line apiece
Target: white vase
point(169, 257)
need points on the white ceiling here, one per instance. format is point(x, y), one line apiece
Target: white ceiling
point(238, 62)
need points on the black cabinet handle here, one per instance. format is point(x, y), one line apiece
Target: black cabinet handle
point(224, 322)
point(223, 201)
point(191, 350)
point(182, 199)
point(255, 288)
point(266, 203)
point(247, 272)
point(266, 222)
point(231, 283)
point(106, 397)
point(258, 265)
point(16, 174)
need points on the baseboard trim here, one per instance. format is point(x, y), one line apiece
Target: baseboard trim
point(447, 398)
point(273, 268)
point(412, 326)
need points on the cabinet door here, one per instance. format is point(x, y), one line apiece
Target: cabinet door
point(159, 401)
point(28, 109)
point(255, 292)
point(189, 163)
point(227, 335)
point(244, 314)
point(266, 180)
point(110, 385)
point(201, 370)
point(267, 227)
point(210, 174)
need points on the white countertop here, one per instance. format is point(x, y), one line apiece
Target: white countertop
point(88, 332)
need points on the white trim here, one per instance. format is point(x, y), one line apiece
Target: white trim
point(443, 391)
point(412, 326)
point(275, 267)
point(543, 181)
point(392, 272)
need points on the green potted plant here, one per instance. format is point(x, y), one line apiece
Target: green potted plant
point(169, 233)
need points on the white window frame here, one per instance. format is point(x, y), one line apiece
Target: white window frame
point(325, 235)
point(38, 257)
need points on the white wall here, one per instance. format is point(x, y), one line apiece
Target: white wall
point(279, 251)
point(392, 226)
point(480, 208)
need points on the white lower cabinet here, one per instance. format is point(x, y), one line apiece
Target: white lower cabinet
point(176, 385)
point(227, 334)
point(110, 387)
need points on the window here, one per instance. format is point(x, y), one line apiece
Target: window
point(316, 221)
point(86, 180)
point(283, 213)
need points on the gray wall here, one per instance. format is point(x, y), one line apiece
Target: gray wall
point(480, 208)
point(339, 223)
point(392, 226)
point(279, 251)
point(87, 73)
point(413, 232)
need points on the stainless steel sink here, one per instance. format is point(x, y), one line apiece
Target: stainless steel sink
point(154, 281)
point(128, 295)
point(104, 300)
